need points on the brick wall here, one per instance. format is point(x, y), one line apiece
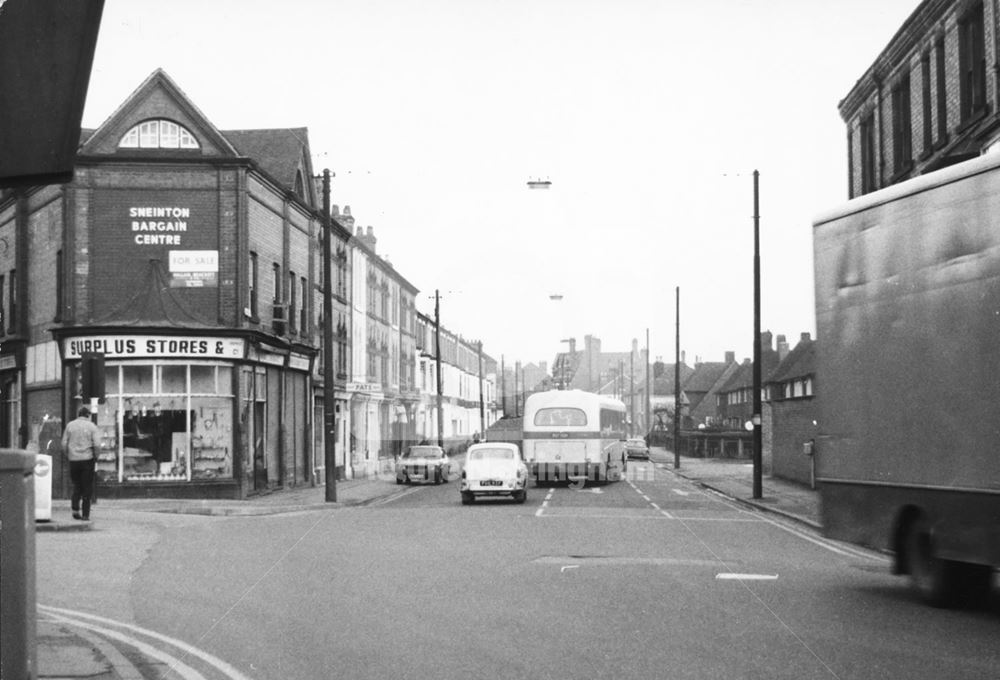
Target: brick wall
point(874, 90)
point(791, 426)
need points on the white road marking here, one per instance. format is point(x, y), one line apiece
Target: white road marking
point(746, 577)
point(545, 503)
point(681, 492)
point(568, 566)
point(74, 617)
point(173, 663)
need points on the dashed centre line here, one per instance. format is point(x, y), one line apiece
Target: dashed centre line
point(545, 503)
point(650, 501)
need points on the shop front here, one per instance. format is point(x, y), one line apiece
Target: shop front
point(171, 424)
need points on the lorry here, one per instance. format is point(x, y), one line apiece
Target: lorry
point(907, 294)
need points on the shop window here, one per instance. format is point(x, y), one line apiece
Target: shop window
point(136, 379)
point(166, 422)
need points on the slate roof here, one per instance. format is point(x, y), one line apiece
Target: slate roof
point(743, 377)
point(705, 376)
point(799, 363)
point(278, 152)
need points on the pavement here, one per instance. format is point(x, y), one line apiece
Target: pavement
point(65, 652)
point(734, 478)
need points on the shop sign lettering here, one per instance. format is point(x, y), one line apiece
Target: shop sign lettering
point(155, 346)
point(158, 225)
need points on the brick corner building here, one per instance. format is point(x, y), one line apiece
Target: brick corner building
point(930, 99)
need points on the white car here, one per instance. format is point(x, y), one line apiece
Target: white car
point(423, 463)
point(494, 469)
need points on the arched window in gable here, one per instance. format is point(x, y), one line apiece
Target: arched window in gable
point(158, 134)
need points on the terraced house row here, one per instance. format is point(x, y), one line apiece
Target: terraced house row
point(187, 262)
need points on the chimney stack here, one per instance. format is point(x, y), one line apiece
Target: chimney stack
point(730, 357)
point(782, 347)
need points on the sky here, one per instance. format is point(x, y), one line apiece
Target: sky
point(648, 117)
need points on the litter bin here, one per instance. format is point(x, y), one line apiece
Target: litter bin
point(43, 487)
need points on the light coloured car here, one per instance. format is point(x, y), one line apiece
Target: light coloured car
point(636, 448)
point(494, 469)
point(423, 463)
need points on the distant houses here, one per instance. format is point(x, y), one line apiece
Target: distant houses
point(716, 399)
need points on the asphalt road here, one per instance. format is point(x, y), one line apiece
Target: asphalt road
point(646, 578)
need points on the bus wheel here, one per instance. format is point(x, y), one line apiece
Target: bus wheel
point(933, 578)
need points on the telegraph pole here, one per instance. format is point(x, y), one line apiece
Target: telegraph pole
point(677, 385)
point(649, 395)
point(631, 393)
point(482, 399)
point(503, 387)
point(329, 402)
point(440, 387)
point(757, 435)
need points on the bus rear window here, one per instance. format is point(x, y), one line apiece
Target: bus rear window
point(560, 417)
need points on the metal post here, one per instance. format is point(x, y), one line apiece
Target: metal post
point(440, 387)
point(757, 438)
point(18, 646)
point(631, 394)
point(677, 385)
point(649, 396)
point(329, 400)
point(482, 400)
point(503, 387)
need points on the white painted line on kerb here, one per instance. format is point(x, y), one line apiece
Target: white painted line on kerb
point(78, 618)
point(746, 577)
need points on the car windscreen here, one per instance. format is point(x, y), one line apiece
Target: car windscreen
point(423, 452)
point(563, 416)
point(491, 454)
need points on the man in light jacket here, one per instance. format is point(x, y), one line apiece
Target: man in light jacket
point(81, 441)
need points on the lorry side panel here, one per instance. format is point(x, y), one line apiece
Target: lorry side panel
point(908, 360)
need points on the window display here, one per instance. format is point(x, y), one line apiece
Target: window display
point(166, 423)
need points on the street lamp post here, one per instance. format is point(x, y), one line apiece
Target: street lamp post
point(757, 435)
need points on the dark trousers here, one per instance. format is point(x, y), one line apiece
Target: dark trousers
point(81, 472)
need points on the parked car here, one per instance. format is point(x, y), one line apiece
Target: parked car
point(636, 448)
point(423, 463)
point(494, 469)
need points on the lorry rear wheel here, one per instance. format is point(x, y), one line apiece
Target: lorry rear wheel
point(933, 578)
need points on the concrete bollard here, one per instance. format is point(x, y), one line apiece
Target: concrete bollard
point(18, 653)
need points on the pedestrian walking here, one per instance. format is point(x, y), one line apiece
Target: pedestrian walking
point(81, 441)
